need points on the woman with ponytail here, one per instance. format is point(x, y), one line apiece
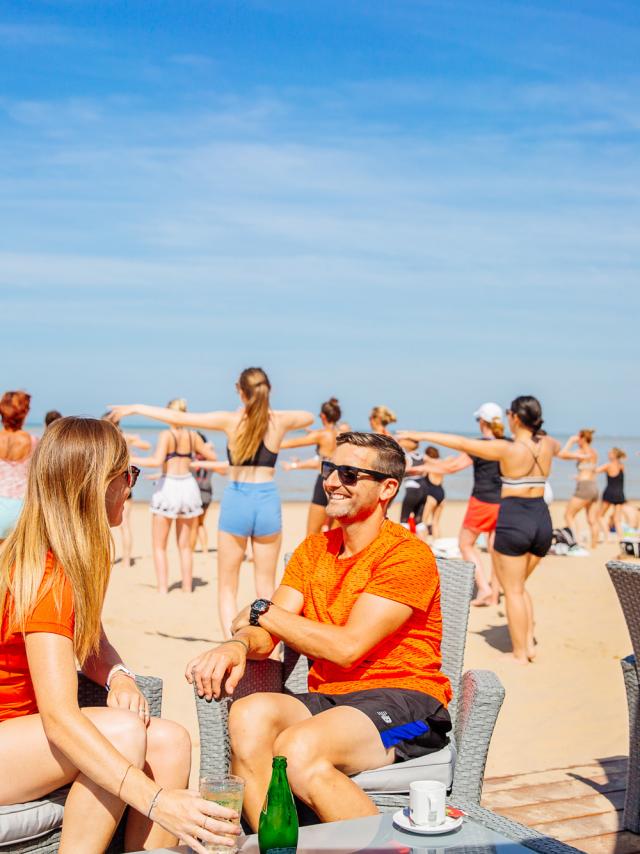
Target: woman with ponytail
point(54, 572)
point(325, 442)
point(523, 529)
point(250, 507)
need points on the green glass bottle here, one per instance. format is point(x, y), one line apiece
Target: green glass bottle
point(278, 827)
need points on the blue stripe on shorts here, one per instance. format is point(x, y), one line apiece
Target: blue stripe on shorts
point(404, 732)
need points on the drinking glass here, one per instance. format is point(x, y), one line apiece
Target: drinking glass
point(228, 791)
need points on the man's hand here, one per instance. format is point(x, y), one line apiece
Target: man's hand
point(125, 694)
point(209, 670)
point(241, 621)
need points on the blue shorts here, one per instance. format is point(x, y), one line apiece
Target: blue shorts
point(250, 509)
point(9, 511)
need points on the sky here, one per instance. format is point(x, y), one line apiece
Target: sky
point(424, 204)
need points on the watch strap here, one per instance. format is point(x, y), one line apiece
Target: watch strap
point(118, 668)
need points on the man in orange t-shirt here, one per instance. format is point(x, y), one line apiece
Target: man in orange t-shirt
point(363, 603)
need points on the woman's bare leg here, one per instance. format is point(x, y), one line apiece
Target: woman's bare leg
point(512, 573)
point(316, 519)
point(168, 762)
point(265, 556)
point(427, 516)
point(592, 518)
point(33, 767)
point(533, 561)
point(202, 533)
point(469, 551)
point(603, 522)
point(160, 527)
point(127, 538)
point(184, 534)
point(437, 513)
point(231, 549)
point(574, 506)
point(617, 520)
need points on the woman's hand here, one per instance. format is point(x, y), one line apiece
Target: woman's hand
point(241, 620)
point(125, 694)
point(121, 411)
point(193, 820)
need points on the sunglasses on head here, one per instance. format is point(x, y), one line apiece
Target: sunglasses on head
point(348, 475)
point(131, 475)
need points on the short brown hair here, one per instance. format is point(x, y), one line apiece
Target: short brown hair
point(14, 408)
point(587, 435)
point(391, 459)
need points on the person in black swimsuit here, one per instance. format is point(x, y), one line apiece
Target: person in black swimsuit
point(524, 530)
point(613, 495)
point(424, 495)
point(176, 497)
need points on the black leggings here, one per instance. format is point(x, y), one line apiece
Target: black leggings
point(524, 527)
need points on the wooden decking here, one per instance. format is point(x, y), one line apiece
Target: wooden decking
point(581, 806)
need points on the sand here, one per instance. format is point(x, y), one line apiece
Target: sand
point(565, 709)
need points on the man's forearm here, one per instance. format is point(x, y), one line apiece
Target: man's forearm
point(316, 640)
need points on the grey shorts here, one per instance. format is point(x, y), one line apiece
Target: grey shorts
point(586, 490)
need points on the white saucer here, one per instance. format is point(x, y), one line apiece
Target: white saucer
point(402, 820)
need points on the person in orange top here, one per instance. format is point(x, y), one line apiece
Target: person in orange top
point(54, 572)
point(362, 601)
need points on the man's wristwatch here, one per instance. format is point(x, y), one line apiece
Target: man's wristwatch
point(258, 608)
point(118, 668)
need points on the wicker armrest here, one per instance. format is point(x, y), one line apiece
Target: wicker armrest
point(213, 715)
point(92, 694)
point(479, 702)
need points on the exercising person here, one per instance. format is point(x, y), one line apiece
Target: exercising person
point(585, 497)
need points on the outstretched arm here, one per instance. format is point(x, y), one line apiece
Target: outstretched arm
point(158, 457)
point(311, 463)
point(312, 438)
point(205, 420)
point(134, 441)
point(566, 453)
point(295, 419)
point(493, 450)
point(449, 465)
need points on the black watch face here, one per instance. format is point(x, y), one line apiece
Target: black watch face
point(260, 606)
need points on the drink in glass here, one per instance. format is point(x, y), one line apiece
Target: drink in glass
point(228, 791)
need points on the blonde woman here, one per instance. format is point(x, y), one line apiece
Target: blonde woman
point(250, 507)
point(54, 572)
point(523, 530)
point(613, 495)
point(176, 497)
point(585, 497)
point(325, 442)
point(379, 419)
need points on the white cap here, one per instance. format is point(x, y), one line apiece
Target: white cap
point(488, 412)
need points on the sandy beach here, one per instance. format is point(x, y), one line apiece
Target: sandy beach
point(565, 709)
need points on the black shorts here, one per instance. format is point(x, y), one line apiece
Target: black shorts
point(435, 491)
point(415, 496)
point(412, 722)
point(319, 495)
point(524, 526)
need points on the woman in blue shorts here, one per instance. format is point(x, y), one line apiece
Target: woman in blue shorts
point(250, 507)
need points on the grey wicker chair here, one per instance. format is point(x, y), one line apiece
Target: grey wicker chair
point(89, 694)
point(478, 696)
point(626, 580)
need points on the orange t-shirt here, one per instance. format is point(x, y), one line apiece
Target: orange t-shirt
point(53, 612)
point(396, 565)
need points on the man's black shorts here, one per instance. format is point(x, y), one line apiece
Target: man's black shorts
point(412, 722)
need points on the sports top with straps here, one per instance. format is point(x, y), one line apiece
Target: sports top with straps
point(173, 454)
point(529, 480)
point(14, 473)
point(263, 457)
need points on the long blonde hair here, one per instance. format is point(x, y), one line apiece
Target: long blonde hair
point(255, 386)
point(65, 513)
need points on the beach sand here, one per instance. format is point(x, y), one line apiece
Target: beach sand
point(565, 709)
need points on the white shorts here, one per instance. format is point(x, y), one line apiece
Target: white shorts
point(177, 496)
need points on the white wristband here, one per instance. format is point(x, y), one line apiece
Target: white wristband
point(115, 669)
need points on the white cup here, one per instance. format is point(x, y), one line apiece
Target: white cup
point(427, 802)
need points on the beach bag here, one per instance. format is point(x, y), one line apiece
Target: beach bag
point(563, 537)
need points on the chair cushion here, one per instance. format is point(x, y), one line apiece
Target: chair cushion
point(395, 779)
point(22, 822)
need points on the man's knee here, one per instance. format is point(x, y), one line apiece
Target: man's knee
point(253, 721)
point(306, 760)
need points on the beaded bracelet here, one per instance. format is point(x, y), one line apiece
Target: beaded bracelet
point(154, 801)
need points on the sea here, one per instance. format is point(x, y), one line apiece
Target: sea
point(297, 485)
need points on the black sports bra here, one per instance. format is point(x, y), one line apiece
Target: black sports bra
point(263, 457)
point(172, 454)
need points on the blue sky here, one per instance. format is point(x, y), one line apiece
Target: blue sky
point(423, 204)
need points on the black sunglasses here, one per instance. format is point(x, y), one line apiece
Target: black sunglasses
point(132, 474)
point(348, 475)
